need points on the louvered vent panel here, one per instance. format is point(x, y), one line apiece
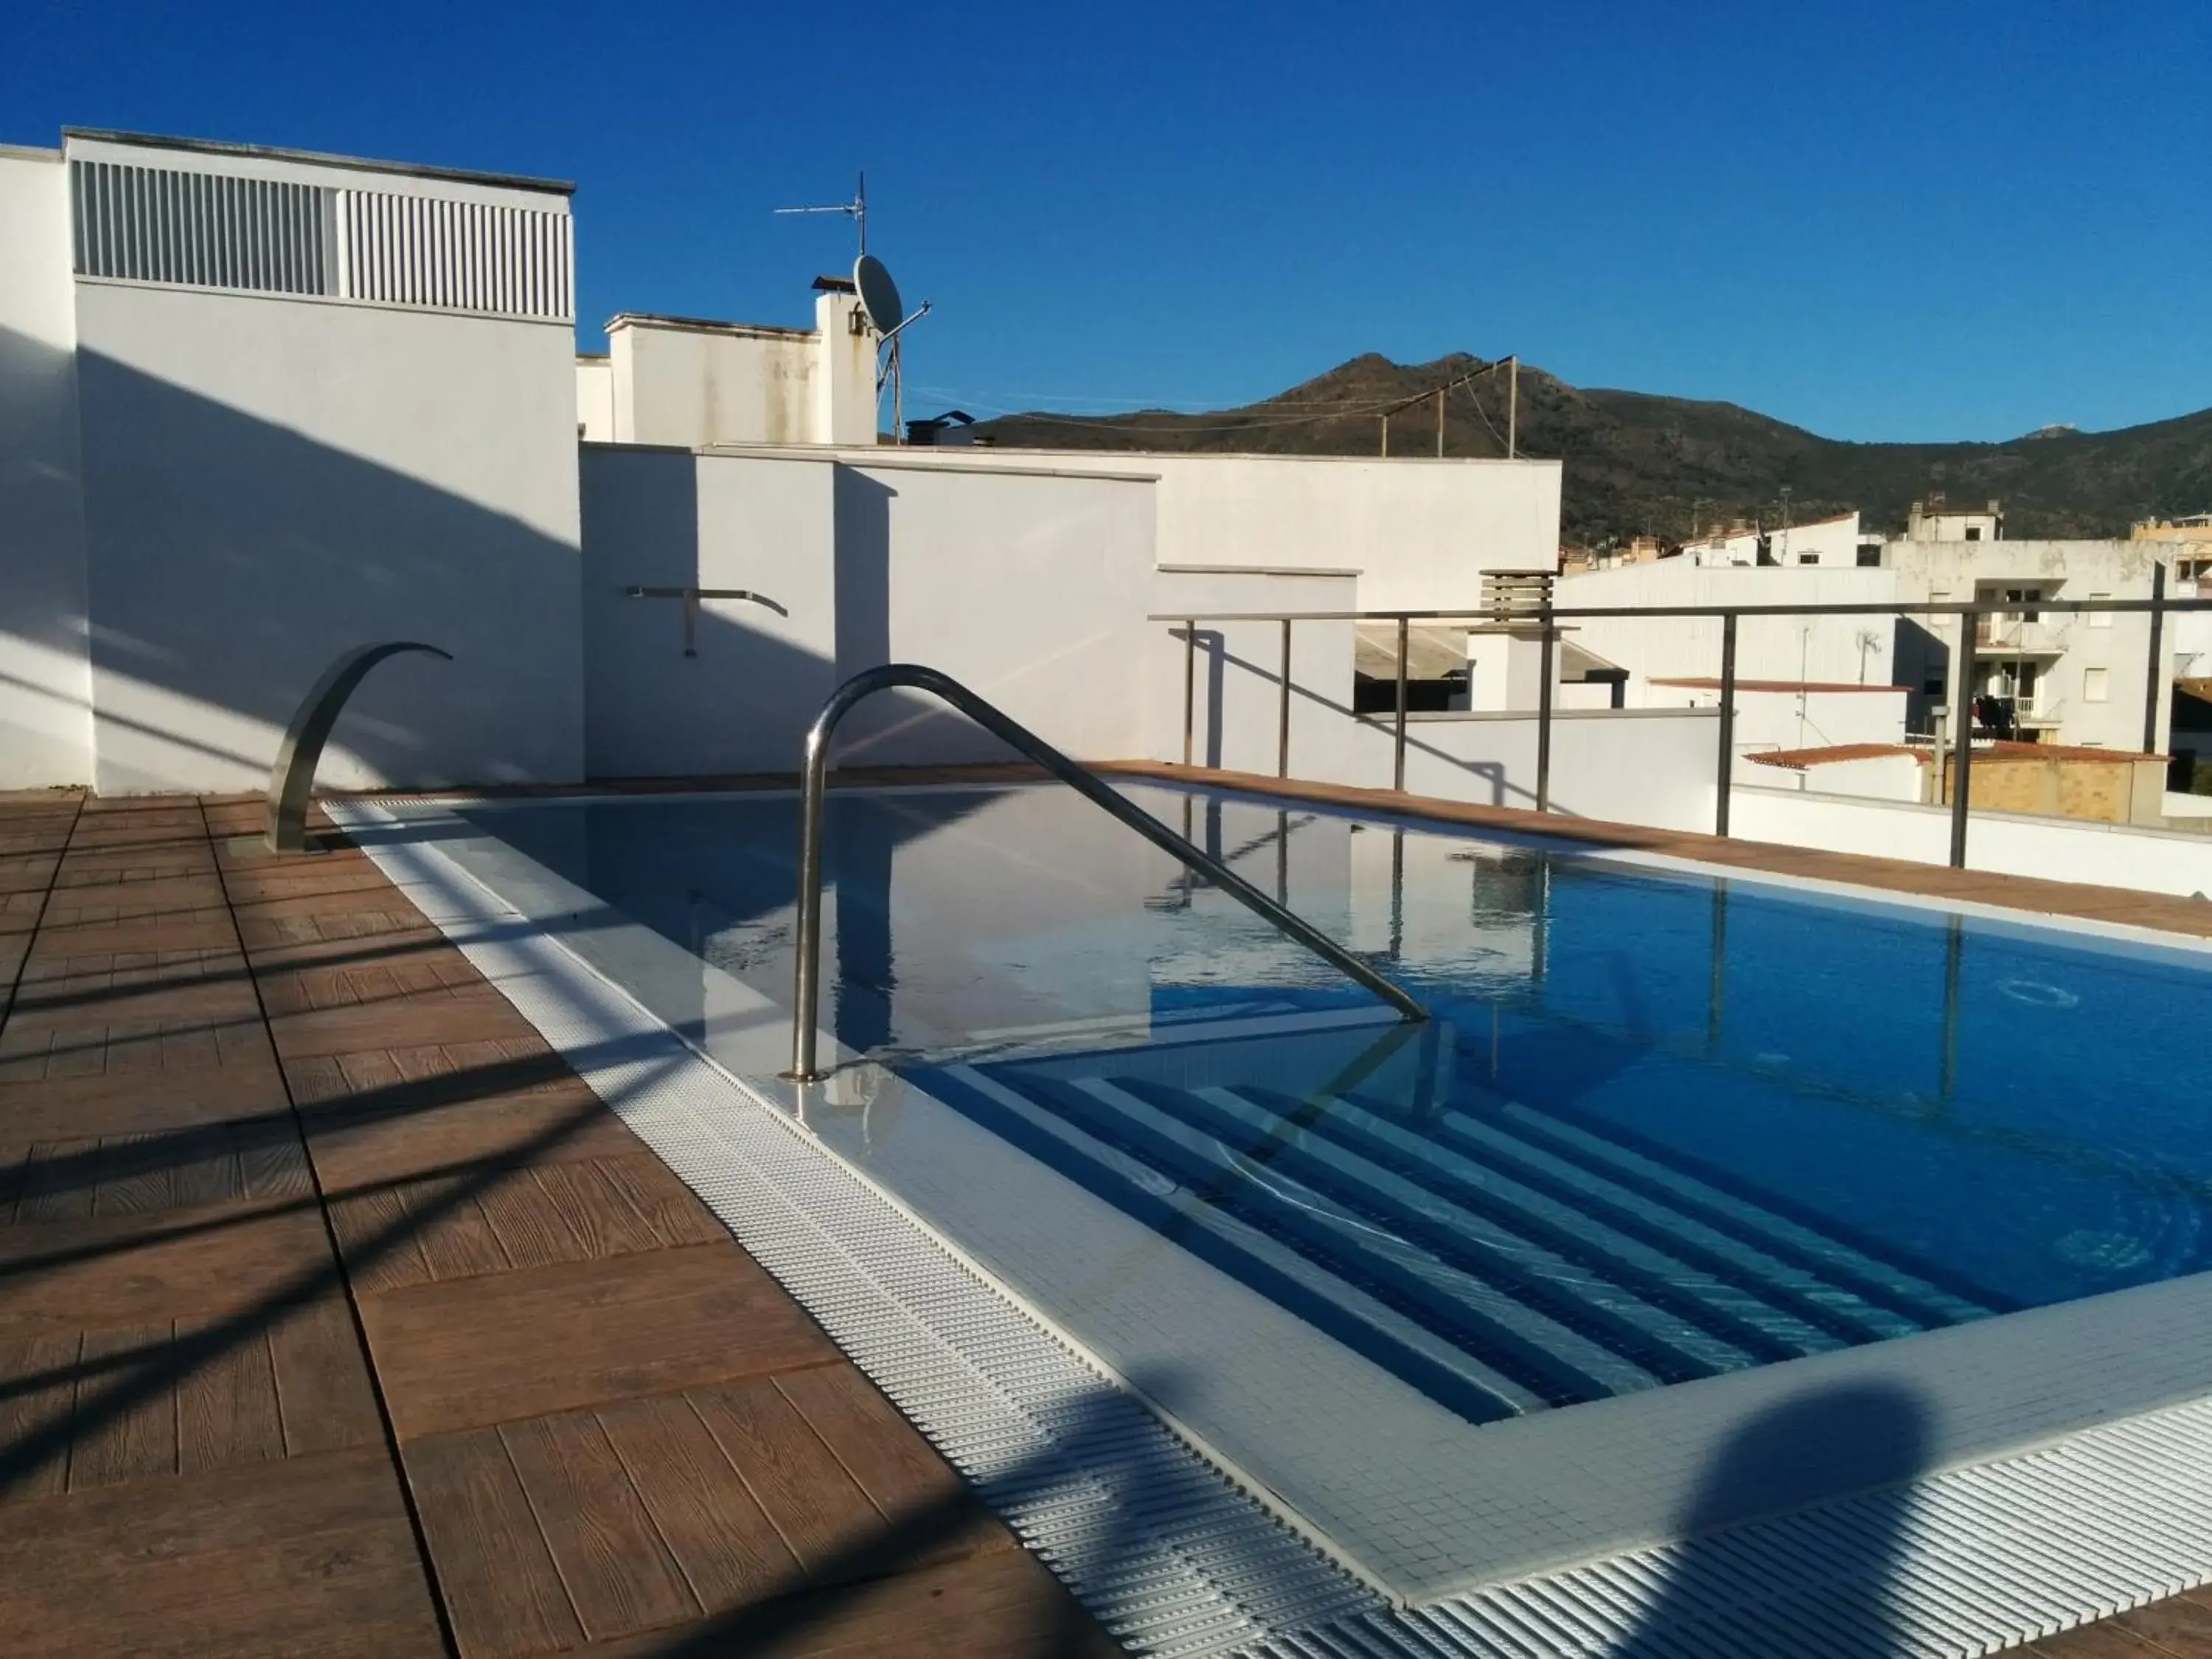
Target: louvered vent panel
point(271, 236)
point(454, 256)
point(205, 230)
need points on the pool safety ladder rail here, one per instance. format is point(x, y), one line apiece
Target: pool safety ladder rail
point(804, 1066)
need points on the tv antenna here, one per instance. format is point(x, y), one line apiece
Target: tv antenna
point(880, 303)
point(856, 209)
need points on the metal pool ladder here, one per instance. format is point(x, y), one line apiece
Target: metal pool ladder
point(1076, 776)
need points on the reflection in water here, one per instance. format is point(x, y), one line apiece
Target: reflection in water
point(1925, 1110)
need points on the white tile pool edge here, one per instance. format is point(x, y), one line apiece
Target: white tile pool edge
point(1152, 1540)
point(1165, 1552)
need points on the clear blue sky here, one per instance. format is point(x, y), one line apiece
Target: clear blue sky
point(1908, 220)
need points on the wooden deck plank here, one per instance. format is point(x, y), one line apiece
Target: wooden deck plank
point(39, 1414)
point(620, 1576)
point(130, 1269)
point(456, 1239)
point(226, 1401)
point(267, 1559)
point(126, 1413)
point(527, 1224)
point(503, 1595)
point(603, 1219)
point(822, 1511)
point(731, 1553)
point(470, 1352)
point(323, 1400)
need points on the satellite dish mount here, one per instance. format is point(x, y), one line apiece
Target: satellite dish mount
point(884, 310)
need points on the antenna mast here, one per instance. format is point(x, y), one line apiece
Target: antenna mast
point(856, 210)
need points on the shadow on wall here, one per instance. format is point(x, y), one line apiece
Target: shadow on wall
point(227, 560)
point(1861, 1437)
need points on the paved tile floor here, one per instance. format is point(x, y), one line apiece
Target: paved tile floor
point(337, 1316)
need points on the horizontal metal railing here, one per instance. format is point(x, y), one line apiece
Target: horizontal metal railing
point(1501, 612)
point(808, 985)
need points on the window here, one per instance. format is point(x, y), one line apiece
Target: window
point(2100, 618)
point(1808, 558)
point(2095, 687)
point(1870, 558)
point(1973, 532)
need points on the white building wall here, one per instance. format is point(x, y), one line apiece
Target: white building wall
point(2055, 849)
point(1793, 648)
point(1834, 542)
point(1030, 588)
point(595, 400)
point(1419, 532)
point(2116, 646)
point(668, 517)
point(45, 676)
point(1652, 767)
point(1236, 672)
point(693, 383)
point(270, 480)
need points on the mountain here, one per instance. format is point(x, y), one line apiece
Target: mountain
point(1636, 461)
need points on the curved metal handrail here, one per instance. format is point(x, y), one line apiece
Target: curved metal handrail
point(1078, 777)
point(294, 775)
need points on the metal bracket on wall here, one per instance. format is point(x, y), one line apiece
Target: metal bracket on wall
point(294, 775)
point(691, 597)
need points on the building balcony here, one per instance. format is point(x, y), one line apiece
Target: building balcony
point(2016, 636)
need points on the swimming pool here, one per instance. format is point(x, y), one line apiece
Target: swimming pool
point(1667, 1132)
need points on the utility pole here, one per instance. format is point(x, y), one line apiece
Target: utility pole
point(1513, 407)
point(1785, 524)
point(1440, 424)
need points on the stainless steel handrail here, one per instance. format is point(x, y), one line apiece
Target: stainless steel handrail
point(808, 984)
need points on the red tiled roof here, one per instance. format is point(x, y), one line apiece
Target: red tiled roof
point(1798, 759)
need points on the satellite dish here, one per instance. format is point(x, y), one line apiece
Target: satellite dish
point(880, 295)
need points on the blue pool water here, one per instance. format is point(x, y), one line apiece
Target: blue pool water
point(1664, 1127)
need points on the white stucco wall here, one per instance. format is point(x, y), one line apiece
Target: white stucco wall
point(1236, 678)
point(45, 678)
point(595, 400)
point(2058, 849)
point(2118, 645)
point(1832, 542)
point(1650, 767)
point(1032, 587)
point(667, 517)
point(692, 382)
point(1793, 648)
point(272, 480)
point(1419, 531)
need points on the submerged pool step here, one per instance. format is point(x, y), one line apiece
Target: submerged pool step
point(1485, 1321)
point(1346, 1312)
point(1756, 1317)
point(1879, 1282)
point(1539, 1267)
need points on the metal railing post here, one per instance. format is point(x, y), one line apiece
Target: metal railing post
point(1728, 723)
point(1962, 760)
point(1398, 763)
point(1283, 713)
point(2156, 691)
point(806, 985)
point(1189, 683)
point(1544, 717)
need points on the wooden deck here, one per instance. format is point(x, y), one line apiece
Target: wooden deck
point(337, 1316)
